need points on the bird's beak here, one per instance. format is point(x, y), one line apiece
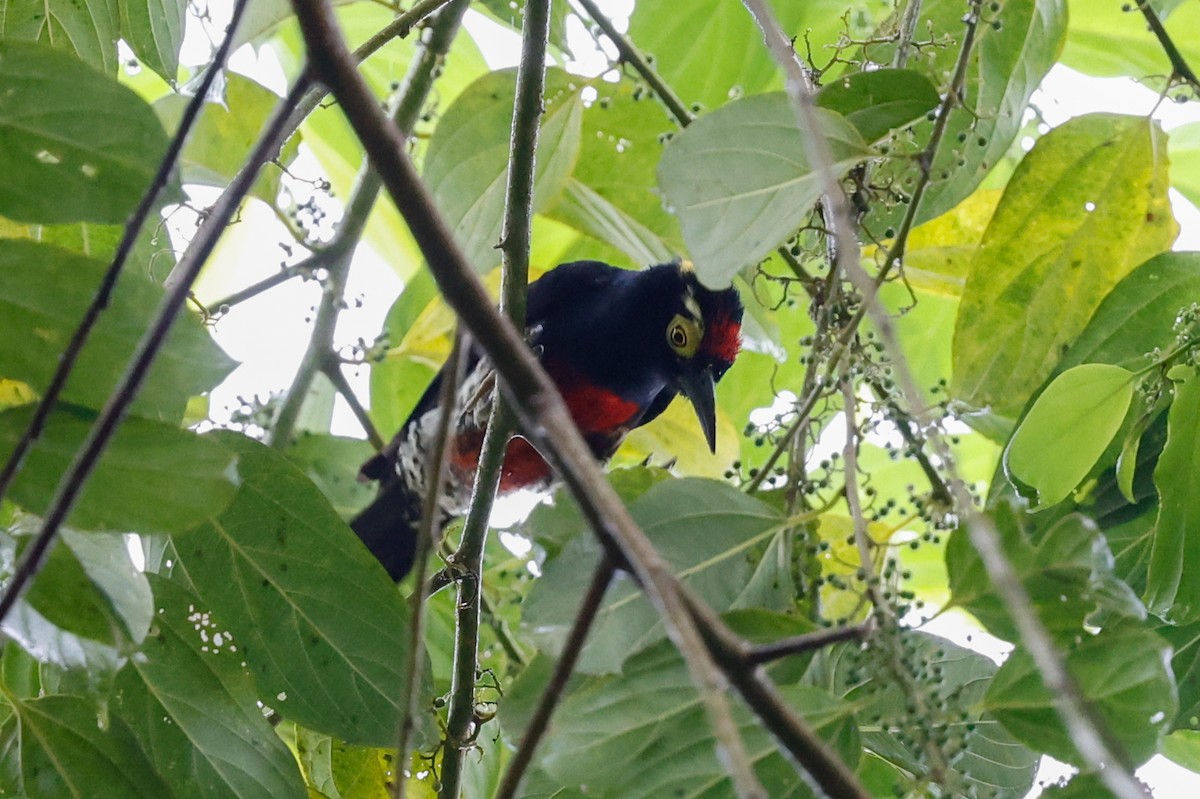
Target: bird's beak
point(697, 386)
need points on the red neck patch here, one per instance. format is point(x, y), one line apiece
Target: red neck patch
point(722, 336)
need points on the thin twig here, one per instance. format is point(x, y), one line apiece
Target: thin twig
point(809, 642)
point(331, 367)
point(113, 413)
point(426, 532)
point(1179, 64)
point(1088, 732)
point(66, 361)
point(285, 274)
point(544, 417)
point(539, 722)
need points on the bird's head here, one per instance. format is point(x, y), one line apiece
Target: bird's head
point(703, 335)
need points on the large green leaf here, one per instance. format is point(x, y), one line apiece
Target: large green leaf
point(1183, 145)
point(152, 477)
point(332, 463)
point(1016, 44)
point(340, 771)
point(189, 701)
point(1137, 316)
point(1124, 673)
point(321, 627)
point(1171, 590)
point(740, 181)
point(951, 681)
point(75, 145)
point(154, 29)
point(645, 734)
point(1086, 205)
point(588, 211)
point(623, 138)
point(87, 28)
point(1075, 417)
point(715, 52)
point(59, 747)
point(1068, 574)
point(225, 133)
point(466, 167)
point(44, 292)
point(1112, 39)
point(879, 101)
point(706, 530)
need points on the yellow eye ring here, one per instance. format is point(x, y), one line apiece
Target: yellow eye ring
point(683, 335)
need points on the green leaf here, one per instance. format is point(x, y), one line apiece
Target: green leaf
point(75, 145)
point(1176, 548)
point(348, 772)
point(154, 30)
point(1068, 574)
point(1081, 786)
point(880, 101)
point(332, 463)
point(1111, 39)
point(988, 762)
point(1124, 673)
point(1183, 146)
point(59, 746)
point(152, 477)
point(706, 530)
point(1138, 315)
point(588, 211)
point(644, 734)
point(466, 167)
point(44, 292)
point(224, 134)
point(1015, 46)
point(88, 28)
point(740, 182)
point(1183, 746)
point(1086, 205)
point(321, 627)
point(715, 52)
point(1067, 429)
point(622, 143)
point(188, 700)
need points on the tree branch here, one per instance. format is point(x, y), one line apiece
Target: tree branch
point(66, 362)
point(143, 356)
point(765, 653)
point(1178, 63)
point(552, 693)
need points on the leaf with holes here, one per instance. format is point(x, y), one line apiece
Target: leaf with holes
point(75, 145)
point(321, 627)
point(1087, 205)
point(154, 29)
point(188, 700)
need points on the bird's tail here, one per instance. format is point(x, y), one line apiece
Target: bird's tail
point(388, 526)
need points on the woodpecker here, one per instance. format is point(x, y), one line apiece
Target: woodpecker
point(618, 344)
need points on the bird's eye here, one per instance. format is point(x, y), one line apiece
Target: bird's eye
point(683, 335)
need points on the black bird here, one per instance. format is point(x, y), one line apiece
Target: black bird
point(618, 344)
